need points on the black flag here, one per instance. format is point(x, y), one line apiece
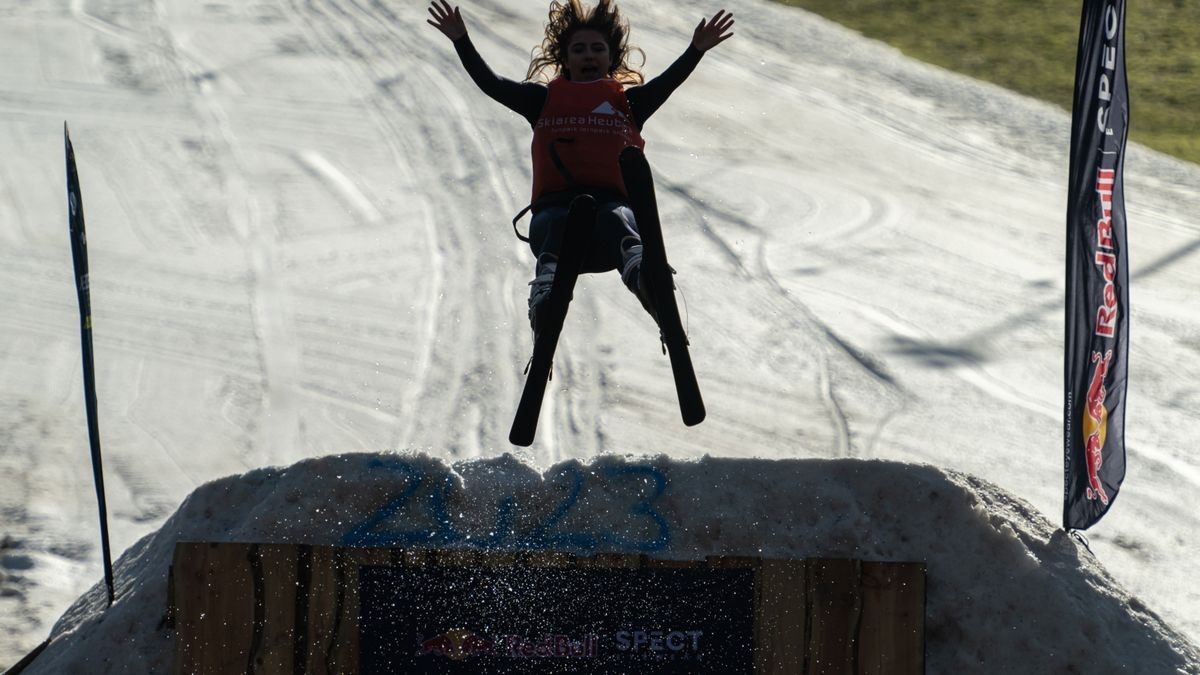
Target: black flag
point(1097, 321)
point(79, 254)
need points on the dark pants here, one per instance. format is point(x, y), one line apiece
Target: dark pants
point(614, 222)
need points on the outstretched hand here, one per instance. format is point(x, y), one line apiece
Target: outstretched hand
point(447, 20)
point(711, 33)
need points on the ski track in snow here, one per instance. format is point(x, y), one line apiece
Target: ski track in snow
point(298, 220)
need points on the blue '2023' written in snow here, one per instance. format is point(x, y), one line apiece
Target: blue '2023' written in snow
point(545, 535)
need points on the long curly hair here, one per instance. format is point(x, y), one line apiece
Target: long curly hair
point(570, 16)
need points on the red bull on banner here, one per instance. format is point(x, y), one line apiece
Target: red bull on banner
point(1097, 298)
point(461, 644)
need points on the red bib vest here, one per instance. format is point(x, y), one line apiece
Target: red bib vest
point(585, 125)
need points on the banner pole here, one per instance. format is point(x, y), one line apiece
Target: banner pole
point(1096, 344)
point(79, 255)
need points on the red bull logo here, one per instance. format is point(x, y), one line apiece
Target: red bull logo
point(456, 644)
point(1106, 258)
point(1095, 425)
point(459, 644)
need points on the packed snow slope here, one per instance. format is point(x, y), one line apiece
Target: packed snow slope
point(1006, 592)
point(298, 226)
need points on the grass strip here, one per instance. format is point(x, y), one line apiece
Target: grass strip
point(1029, 46)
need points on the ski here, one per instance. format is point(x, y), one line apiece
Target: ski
point(639, 183)
point(550, 315)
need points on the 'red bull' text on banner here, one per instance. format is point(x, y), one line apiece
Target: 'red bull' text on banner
point(1097, 321)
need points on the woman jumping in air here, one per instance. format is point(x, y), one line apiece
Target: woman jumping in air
point(581, 121)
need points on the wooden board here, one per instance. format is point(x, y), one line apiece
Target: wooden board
point(268, 608)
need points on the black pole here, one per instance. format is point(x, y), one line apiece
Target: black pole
point(24, 663)
point(79, 254)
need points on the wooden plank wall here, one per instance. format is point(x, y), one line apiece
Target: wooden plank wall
point(272, 608)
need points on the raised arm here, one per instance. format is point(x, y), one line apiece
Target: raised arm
point(447, 20)
point(645, 99)
point(524, 98)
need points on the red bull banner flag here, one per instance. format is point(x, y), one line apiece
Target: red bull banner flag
point(1097, 317)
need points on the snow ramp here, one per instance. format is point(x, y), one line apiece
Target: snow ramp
point(1007, 592)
